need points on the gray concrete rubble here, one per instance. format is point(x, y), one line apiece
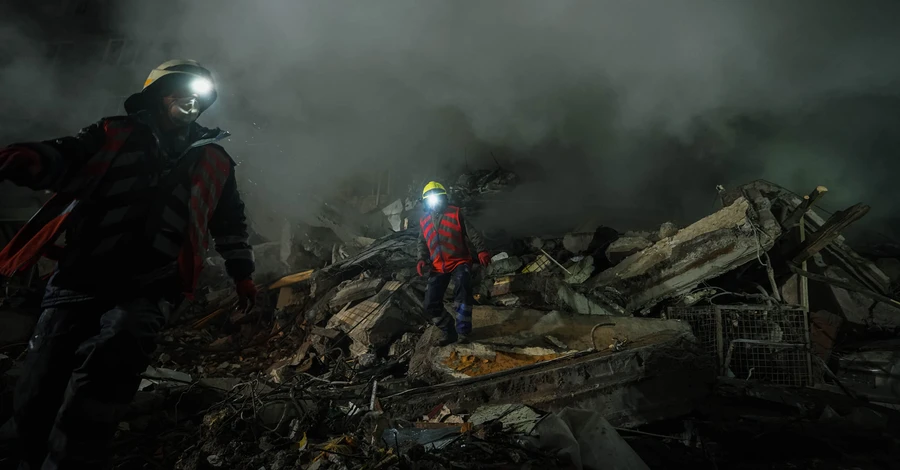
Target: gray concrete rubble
point(654, 378)
point(352, 291)
point(524, 334)
point(625, 247)
point(580, 271)
point(377, 322)
point(578, 242)
point(504, 266)
point(706, 249)
point(667, 229)
point(640, 327)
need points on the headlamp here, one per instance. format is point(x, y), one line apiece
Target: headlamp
point(201, 86)
point(432, 200)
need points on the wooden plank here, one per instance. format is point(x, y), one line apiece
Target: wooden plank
point(291, 279)
point(286, 298)
point(830, 231)
point(794, 218)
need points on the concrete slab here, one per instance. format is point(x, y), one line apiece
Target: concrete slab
point(506, 338)
point(705, 249)
point(656, 377)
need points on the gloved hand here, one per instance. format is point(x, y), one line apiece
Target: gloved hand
point(484, 258)
point(420, 268)
point(18, 162)
point(246, 291)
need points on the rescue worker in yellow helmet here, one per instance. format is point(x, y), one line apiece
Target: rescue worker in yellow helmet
point(137, 197)
point(444, 248)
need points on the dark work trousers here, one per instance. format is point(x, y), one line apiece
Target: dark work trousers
point(82, 371)
point(462, 299)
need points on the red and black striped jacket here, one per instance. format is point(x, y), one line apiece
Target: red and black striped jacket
point(445, 238)
point(132, 212)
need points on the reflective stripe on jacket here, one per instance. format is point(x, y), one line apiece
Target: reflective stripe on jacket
point(103, 186)
point(446, 239)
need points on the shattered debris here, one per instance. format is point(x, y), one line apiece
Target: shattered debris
point(680, 341)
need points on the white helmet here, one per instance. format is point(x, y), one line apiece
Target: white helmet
point(172, 72)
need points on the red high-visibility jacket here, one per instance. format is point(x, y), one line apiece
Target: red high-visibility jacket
point(445, 235)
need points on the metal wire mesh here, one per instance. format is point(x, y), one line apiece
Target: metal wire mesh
point(754, 342)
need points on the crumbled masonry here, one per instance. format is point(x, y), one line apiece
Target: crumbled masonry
point(702, 345)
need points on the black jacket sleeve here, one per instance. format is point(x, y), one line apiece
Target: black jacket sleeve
point(473, 235)
point(56, 161)
point(230, 233)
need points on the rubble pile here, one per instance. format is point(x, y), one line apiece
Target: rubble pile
point(681, 341)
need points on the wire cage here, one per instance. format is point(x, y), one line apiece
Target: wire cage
point(754, 342)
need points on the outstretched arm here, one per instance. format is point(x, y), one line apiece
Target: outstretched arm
point(49, 164)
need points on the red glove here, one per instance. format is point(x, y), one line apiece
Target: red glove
point(246, 291)
point(484, 258)
point(420, 268)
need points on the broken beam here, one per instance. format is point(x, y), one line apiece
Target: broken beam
point(829, 232)
point(845, 285)
point(804, 207)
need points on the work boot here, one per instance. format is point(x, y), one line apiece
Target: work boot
point(448, 338)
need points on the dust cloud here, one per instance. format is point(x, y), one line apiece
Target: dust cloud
point(628, 113)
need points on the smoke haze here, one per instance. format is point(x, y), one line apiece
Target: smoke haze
point(628, 113)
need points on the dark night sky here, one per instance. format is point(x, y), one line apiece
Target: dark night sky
point(624, 112)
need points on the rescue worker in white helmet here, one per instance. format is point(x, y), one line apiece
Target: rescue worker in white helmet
point(444, 253)
point(137, 197)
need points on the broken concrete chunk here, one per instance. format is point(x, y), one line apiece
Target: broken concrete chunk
point(507, 300)
point(377, 322)
point(578, 302)
point(581, 271)
point(519, 419)
point(588, 440)
point(706, 249)
point(394, 214)
point(856, 308)
point(164, 378)
point(625, 247)
point(404, 345)
point(356, 290)
point(281, 371)
point(505, 266)
point(578, 242)
point(667, 229)
point(499, 256)
point(890, 267)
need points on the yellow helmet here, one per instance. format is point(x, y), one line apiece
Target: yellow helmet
point(433, 189)
point(198, 78)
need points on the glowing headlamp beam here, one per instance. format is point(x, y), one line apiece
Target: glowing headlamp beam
point(201, 86)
